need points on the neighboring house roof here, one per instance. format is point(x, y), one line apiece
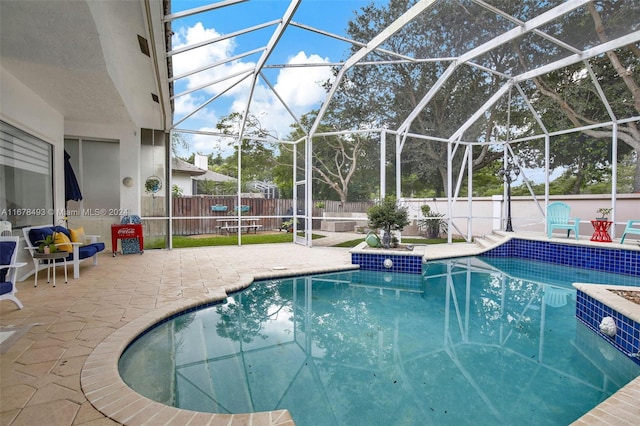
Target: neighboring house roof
point(215, 177)
point(183, 167)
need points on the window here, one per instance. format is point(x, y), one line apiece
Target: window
point(25, 179)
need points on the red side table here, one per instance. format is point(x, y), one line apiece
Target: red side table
point(601, 231)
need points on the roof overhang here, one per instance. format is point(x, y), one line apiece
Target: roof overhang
point(84, 58)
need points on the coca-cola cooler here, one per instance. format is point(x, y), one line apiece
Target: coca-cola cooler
point(130, 235)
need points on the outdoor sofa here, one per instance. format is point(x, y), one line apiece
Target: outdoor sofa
point(81, 250)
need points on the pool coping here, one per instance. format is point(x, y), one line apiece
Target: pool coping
point(103, 387)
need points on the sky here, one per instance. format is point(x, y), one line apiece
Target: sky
point(299, 88)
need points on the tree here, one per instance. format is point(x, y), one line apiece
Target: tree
point(385, 94)
point(258, 156)
point(341, 164)
point(570, 99)
point(388, 216)
point(178, 141)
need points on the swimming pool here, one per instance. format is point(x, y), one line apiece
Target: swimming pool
point(482, 341)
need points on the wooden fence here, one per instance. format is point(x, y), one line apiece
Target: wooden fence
point(271, 212)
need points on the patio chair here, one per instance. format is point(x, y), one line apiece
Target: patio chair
point(630, 229)
point(9, 269)
point(558, 218)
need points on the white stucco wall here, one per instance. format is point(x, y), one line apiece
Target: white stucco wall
point(24, 109)
point(183, 182)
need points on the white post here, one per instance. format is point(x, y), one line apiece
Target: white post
point(614, 176)
point(383, 172)
point(308, 191)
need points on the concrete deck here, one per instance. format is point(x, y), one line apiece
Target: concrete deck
point(84, 323)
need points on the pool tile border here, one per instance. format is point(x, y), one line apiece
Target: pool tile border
point(374, 259)
point(594, 302)
point(615, 259)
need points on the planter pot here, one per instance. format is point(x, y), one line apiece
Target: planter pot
point(386, 239)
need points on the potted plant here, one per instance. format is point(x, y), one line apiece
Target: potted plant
point(152, 185)
point(48, 244)
point(604, 213)
point(287, 225)
point(433, 223)
point(388, 217)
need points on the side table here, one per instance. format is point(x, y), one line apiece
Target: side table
point(51, 258)
point(601, 231)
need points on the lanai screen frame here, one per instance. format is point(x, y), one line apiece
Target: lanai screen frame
point(454, 141)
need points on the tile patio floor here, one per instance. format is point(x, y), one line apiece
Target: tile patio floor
point(40, 373)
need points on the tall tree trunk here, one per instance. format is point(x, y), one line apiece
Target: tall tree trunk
point(636, 176)
point(443, 176)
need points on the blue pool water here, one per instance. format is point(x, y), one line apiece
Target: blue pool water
point(471, 341)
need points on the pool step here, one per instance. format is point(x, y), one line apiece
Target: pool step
point(489, 241)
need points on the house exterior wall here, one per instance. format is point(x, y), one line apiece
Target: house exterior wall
point(24, 109)
point(183, 182)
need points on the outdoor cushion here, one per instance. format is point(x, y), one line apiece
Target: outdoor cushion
point(36, 235)
point(6, 251)
point(77, 235)
point(5, 287)
point(64, 230)
point(63, 242)
point(85, 251)
point(89, 250)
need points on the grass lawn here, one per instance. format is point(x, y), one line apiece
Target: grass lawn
point(180, 241)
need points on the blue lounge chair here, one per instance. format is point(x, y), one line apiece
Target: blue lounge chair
point(558, 218)
point(9, 269)
point(630, 229)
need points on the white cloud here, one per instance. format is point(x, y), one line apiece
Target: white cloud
point(201, 56)
point(299, 87)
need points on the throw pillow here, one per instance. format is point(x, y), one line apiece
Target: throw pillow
point(62, 242)
point(77, 235)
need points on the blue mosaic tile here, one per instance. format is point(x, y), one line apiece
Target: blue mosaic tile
point(618, 261)
point(591, 311)
point(375, 262)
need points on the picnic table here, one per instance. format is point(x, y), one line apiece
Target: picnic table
point(231, 225)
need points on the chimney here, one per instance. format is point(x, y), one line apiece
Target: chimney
point(201, 162)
